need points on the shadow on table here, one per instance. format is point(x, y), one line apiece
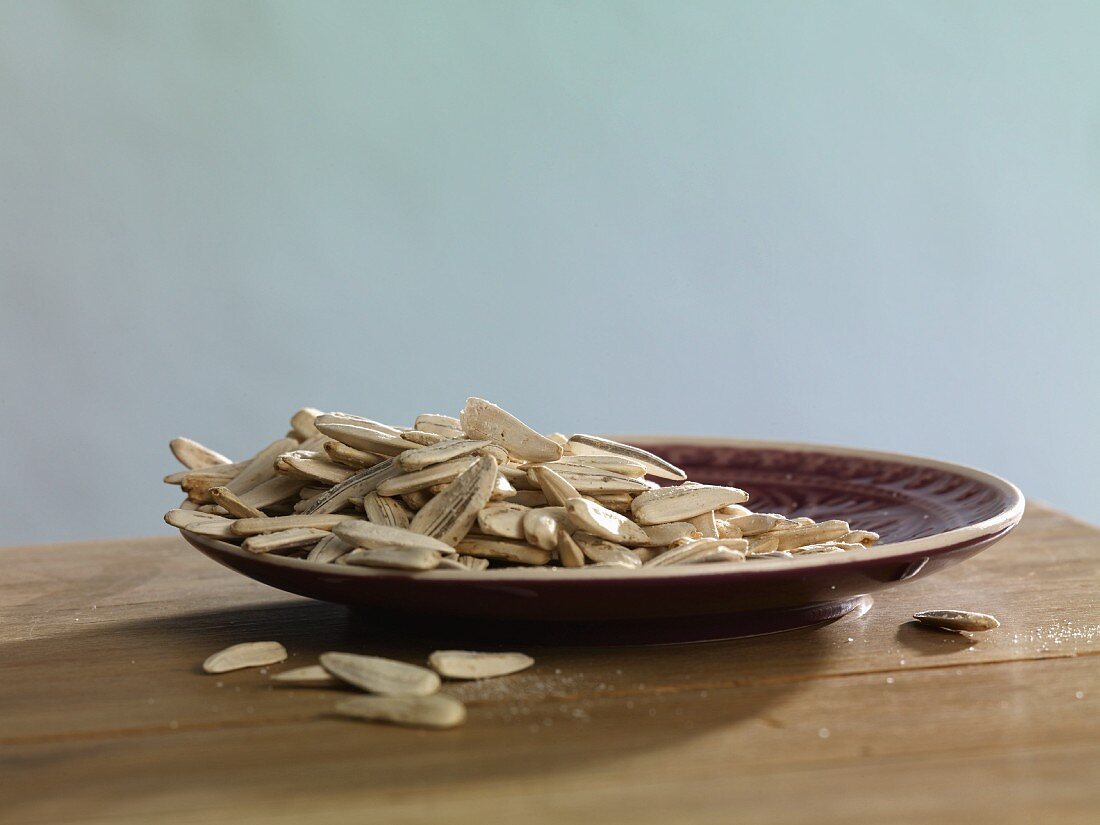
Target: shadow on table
point(580, 704)
point(931, 641)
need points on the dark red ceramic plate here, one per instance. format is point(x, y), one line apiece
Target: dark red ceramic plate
point(930, 514)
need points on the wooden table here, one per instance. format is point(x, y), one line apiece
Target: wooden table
point(106, 717)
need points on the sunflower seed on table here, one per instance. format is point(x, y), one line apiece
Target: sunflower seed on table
point(470, 664)
point(378, 536)
point(437, 712)
point(683, 503)
point(518, 552)
point(541, 526)
point(384, 510)
point(439, 452)
point(247, 654)
point(385, 677)
point(280, 542)
point(275, 524)
point(957, 620)
point(589, 444)
point(606, 524)
point(502, 518)
point(484, 420)
point(193, 455)
point(569, 551)
point(234, 506)
point(449, 515)
point(308, 676)
point(397, 558)
point(329, 549)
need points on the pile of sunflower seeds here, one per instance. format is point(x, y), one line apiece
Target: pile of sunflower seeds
point(480, 490)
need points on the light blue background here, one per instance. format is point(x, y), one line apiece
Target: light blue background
point(868, 223)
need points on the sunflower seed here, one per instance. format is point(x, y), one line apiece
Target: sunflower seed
point(426, 478)
point(363, 482)
point(481, 419)
point(865, 537)
point(514, 551)
point(957, 620)
point(432, 712)
point(378, 536)
point(601, 551)
point(194, 456)
point(438, 453)
point(502, 489)
point(540, 526)
point(469, 664)
point(233, 505)
point(226, 471)
point(182, 518)
point(529, 498)
point(341, 453)
point(270, 492)
point(329, 549)
point(309, 676)
point(407, 558)
point(285, 540)
point(503, 519)
point(774, 554)
point(661, 535)
point(592, 463)
point(274, 524)
point(682, 503)
point(314, 469)
point(589, 444)
point(569, 552)
point(385, 511)
point(472, 562)
point(753, 524)
point(368, 440)
point(423, 439)
point(695, 551)
point(444, 425)
point(556, 488)
point(213, 529)
point(705, 526)
point(810, 534)
point(450, 514)
point(302, 423)
point(416, 501)
point(261, 467)
point(720, 554)
point(248, 654)
point(385, 677)
point(596, 482)
point(355, 421)
point(606, 524)
point(762, 545)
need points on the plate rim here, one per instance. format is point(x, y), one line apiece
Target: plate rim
point(938, 543)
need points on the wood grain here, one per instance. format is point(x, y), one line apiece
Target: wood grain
point(105, 715)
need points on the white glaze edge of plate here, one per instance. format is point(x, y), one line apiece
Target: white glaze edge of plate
point(930, 544)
